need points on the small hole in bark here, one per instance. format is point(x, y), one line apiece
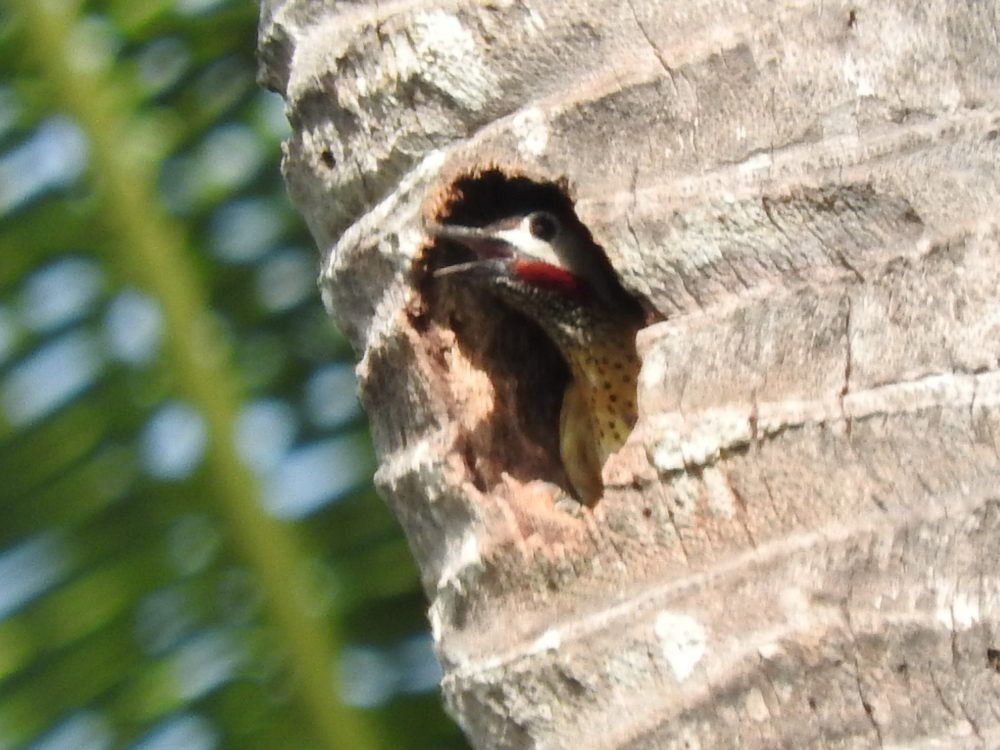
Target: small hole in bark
point(993, 658)
point(459, 612)
point(512, 422)
point(573, 685)
point(852, 18)
point(328, 159)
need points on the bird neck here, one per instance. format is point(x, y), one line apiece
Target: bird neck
point(598, 343)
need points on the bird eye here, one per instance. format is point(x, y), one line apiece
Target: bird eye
point(543, 226)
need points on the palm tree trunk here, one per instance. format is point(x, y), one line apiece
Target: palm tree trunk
point(799, 546)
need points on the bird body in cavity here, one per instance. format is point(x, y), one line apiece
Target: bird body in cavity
point(548, 268)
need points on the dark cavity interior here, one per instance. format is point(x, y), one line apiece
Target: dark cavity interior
point(520, 436)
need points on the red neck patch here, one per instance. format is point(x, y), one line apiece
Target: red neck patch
point(545, 275)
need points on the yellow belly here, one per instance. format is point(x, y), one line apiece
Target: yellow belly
point(598, 413)
point(579, 451)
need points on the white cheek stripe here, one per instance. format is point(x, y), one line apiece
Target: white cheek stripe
point(528, 244)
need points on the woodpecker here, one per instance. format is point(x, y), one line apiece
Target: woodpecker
point(549, 269)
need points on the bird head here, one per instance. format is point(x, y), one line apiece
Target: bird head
point(547, 267)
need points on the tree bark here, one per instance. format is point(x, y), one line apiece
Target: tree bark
point(798, 545)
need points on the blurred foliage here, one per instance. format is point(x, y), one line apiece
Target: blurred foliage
point(191, 553)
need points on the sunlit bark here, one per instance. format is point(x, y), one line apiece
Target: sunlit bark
point(798, 546)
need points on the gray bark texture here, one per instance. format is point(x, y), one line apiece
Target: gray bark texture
point(799, 545)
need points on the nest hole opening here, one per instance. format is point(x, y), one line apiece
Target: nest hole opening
point(518, 433)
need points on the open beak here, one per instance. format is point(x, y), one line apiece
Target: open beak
point(492, 252)
point(482, 269)
point(483, 242)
